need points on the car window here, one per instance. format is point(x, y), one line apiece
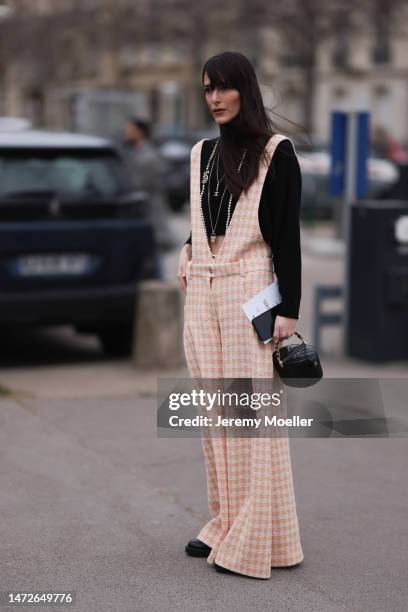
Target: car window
point(67, 173)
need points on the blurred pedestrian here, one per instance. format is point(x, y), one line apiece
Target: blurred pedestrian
point(146, 168)
point(384, 145)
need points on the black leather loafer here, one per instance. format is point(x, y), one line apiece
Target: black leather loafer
point(197, 548)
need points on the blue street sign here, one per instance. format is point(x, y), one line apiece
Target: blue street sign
point(349, 139)
point(338, 152)
point(362, 145)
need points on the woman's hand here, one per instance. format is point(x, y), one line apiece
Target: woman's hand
point(284, 328)
point(184, 258)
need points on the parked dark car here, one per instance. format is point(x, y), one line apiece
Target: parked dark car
point(74, 240)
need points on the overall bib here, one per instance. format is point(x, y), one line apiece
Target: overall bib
point(254, 524)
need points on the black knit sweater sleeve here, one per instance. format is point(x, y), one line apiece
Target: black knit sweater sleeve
point(279, 220)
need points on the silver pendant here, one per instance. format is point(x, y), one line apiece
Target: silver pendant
point(212, 238)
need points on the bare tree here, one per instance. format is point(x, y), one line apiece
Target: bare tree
point(59, 45)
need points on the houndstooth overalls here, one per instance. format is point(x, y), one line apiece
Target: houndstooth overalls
point(254, 524)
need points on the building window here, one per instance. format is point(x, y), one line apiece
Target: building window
point(381, 52)
point(34, 107)
point(339, 93)
point(340, 53)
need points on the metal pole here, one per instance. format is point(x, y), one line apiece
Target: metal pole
point(349, 197)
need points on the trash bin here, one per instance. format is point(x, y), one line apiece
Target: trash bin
point(377, 277)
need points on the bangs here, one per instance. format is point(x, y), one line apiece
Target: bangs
point(219, 76)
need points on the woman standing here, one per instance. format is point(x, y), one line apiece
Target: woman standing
point(245, 201)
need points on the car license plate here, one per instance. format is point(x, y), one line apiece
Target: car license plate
point(66, 264)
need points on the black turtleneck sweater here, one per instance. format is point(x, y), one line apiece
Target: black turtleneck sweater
point(278, 215)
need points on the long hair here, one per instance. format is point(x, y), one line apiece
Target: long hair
point(250, 129)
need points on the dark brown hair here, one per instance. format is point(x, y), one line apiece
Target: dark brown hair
point(250, 129)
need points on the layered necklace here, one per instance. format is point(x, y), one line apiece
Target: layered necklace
point(207, 177)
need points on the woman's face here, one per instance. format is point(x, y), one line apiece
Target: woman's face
point(225, 98)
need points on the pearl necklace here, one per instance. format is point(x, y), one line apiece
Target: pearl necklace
point(203, 182)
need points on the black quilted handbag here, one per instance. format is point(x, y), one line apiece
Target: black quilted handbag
point(298, 365)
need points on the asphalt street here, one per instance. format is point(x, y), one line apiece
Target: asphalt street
point(94, 503)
